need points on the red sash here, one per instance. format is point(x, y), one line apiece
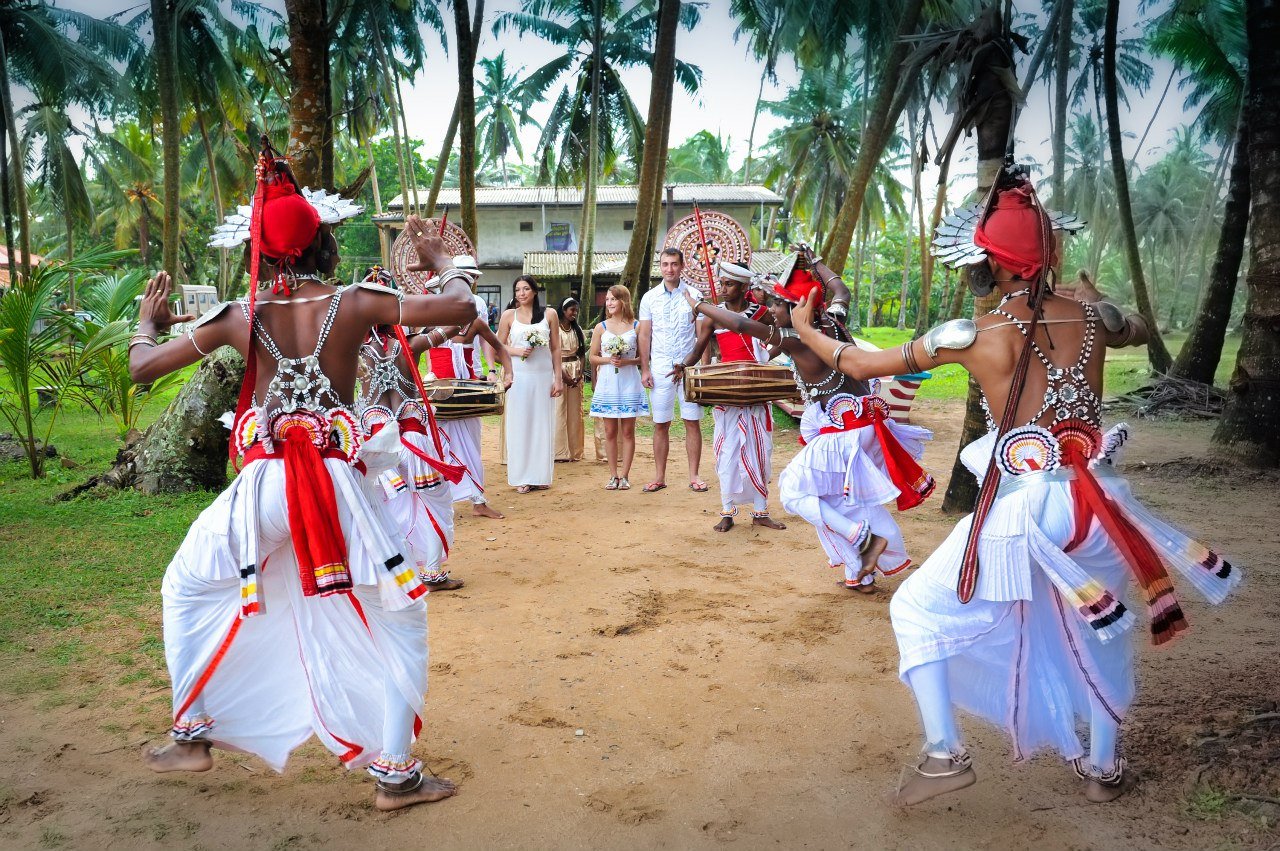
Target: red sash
point(441, 362)
point(314, 525)
point(913, 482)
point(412, 425)
point(1091, 501)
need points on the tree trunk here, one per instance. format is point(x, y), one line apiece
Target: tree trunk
point(1061, 71)
point(16, 166)
point(751, 136)
point(879, 127)
point(1198, 360)
point(409, 162)
point(636, 271)
point(6, 194)
point(466, 117)
point(373, 177)
point(929, 263)
point(1157, 354)
point(186, 448)
point(593, 145)
point(442, 162)
point(308, 99)
point(1249, 430)
point(166, 80)
point(217, 189)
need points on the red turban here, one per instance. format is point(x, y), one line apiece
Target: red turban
point(799, 285)
point(1014, 233)
point(289, 222)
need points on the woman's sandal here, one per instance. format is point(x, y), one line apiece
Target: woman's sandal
point(699, 486)
point(623, 484)
point(654, 487)
point(613, 484)
point(524, 489)
point(1101, 787)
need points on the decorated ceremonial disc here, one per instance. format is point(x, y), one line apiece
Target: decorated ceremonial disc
point(403, 254)
point(1027, 449)
point(726, 241)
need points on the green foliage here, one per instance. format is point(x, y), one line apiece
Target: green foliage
point(32, 356)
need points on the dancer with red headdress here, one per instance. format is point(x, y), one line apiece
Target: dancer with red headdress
point(1020, 616)
point(855, 457)
point(288, 609)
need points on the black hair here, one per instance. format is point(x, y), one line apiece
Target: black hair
point(539, 310)
point(576, 328)
point(674, 252)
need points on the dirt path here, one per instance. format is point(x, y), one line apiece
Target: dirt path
point(728, 693)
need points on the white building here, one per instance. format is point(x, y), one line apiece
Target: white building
point(534, 229)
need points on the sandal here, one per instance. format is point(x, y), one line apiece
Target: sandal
point(523, 489)
point(699, 486)
point(926, 784)
point(654, 487)
point(623, 484)
point(1101, 787)
point(613, 484)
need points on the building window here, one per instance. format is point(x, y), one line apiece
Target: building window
point(526, 227)
point(629, 224)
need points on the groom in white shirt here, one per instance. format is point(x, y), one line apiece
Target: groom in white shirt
point(667, 336)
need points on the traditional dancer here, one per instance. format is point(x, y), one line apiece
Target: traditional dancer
point(855, 457)
point(415, 493)
point(288, 611)
point(1019, 617)
point(457, 358)
point(743, 437)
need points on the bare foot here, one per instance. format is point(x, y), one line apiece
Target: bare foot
point(867, 588)
point(483, 509)
point(875, 548)
point(1101, 793)
point(935, 776)
point(447, 584)
point(178, 756)
point(1102, 787)
point(427, 791)
point(767, 522)
point(725, 524)
point(522, 489)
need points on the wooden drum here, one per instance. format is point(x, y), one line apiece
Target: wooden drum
point(739, 383)
point(460, 398)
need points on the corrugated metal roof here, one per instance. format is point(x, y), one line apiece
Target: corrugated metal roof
point(564, 264)
point(705, 194)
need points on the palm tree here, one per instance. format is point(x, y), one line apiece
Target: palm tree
point(1249, 430)
point(599, 39)
point(1157, 353)
point(38, 54)
point(1208, 45)
point(164, 27)
point(466, 108)
point(702, 158)
point(127, 175)
point(502, 109)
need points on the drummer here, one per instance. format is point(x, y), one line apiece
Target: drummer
point(456, 357)
point(854, 457)
point(743, 439)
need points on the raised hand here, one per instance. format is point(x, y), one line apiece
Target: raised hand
point(154, 310)
point(433, 255)
point(802, 313)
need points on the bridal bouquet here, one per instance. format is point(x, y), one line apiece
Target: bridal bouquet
point(616, 347)
point(534, 339)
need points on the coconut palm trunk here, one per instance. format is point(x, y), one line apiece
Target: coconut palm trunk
point(593, 146)
point(1061, 73)
point(1200, 354)
point(308, 99)
point(15, 169)
point(879, 127)
point(636, 271)
point(466, 118)
point(1249, 430)
point(1157, 353)
point(162, 21)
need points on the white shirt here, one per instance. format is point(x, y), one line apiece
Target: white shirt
point(674, 332)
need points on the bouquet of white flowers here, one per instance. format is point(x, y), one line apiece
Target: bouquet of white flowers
point(616, 347)
point(534, 339)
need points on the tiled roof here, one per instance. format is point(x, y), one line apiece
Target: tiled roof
point(564, 264)
point(707, 194)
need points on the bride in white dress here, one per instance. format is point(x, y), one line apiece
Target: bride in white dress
point(531, 409)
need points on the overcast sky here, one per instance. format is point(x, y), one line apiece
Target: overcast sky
point(730, 79)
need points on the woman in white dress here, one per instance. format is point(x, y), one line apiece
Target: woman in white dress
point(619, 395)
point(530, 416)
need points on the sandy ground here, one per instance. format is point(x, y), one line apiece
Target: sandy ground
point(727, 691)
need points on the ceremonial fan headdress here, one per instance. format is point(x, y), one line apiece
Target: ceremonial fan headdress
point(330, 209)
point(795, 281)
point(1009, 225)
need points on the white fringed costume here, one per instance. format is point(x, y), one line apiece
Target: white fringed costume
point(743, 435)
point(266, 650)
point(839, 481)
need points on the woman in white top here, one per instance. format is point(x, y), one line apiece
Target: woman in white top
point(530, 415)
point(619, 394)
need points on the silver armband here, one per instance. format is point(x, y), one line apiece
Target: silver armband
point(956, 334)
point(1113, 319)
point(788, 333)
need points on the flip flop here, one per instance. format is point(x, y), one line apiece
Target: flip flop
point(699, 487)
point(654, 487)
